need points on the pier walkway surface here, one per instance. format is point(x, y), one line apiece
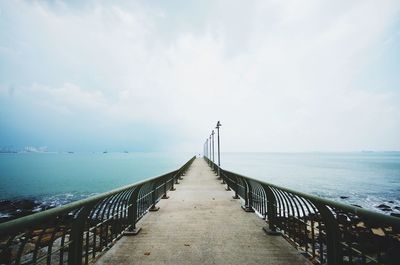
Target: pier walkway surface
point(201, 224)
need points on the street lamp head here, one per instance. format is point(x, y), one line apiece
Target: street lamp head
point(218, 125)
point(212, 133)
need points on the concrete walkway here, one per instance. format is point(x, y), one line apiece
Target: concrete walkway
point(201, 224)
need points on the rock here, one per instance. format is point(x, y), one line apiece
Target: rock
point(391, 255)
point(378, 231)
point(383, 206)
point(17, 208)
point(397, 208)
point(25, 204)
point(5, 256)
point(5, 205)
point(395, 214)
point(344, 197)
point(356, 205)
point(361, 225)
point(390, 201)
point(342, 218)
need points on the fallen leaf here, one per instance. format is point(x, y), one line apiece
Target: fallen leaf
point(187, 245)
point(147, 253)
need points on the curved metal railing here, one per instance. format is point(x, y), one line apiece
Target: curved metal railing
point(78, 232)
point(326, 231)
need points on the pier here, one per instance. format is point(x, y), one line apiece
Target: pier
point(201, 213)
point(201, 223)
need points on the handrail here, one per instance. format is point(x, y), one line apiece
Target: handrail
point(77, 232)
point(328, 232)
point(347, 207)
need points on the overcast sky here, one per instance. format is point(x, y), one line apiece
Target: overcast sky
point(157, 75)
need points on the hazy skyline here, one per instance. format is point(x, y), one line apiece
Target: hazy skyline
point(156, 76)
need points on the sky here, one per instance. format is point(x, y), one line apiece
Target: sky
point(157, 75)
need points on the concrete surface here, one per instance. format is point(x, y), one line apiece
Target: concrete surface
point(201, 224)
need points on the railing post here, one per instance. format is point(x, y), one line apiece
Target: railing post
point(271, 212)
point(165, 196)
point(76, 236)
point(223, 180)
point(132, 211)
point(219, 173)
point(248, 201)
point(176, 177)
point(173, 181)
point(236, 188)
point(227, 183)
point(334, 253)
point(154, 208)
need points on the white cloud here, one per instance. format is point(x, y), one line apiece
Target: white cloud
point(280, 75)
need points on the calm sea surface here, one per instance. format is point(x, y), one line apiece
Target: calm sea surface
point(59, 178)
point(368, 179)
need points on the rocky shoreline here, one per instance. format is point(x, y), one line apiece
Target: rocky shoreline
point(13, 209)
point(387, 207)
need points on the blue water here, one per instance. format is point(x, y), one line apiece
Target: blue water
point(369, 179)
point(59, 178)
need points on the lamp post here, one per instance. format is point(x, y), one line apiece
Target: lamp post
point(212, 136)
point(207, 148)
point(219, 155)
point(210, 149)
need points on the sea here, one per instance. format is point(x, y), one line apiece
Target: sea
point(367, 179)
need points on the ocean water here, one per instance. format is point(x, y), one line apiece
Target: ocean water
point(59, 178)
point(367, 178)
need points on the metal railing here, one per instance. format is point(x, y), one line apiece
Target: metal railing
point(76, 233)
point(327, 232)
